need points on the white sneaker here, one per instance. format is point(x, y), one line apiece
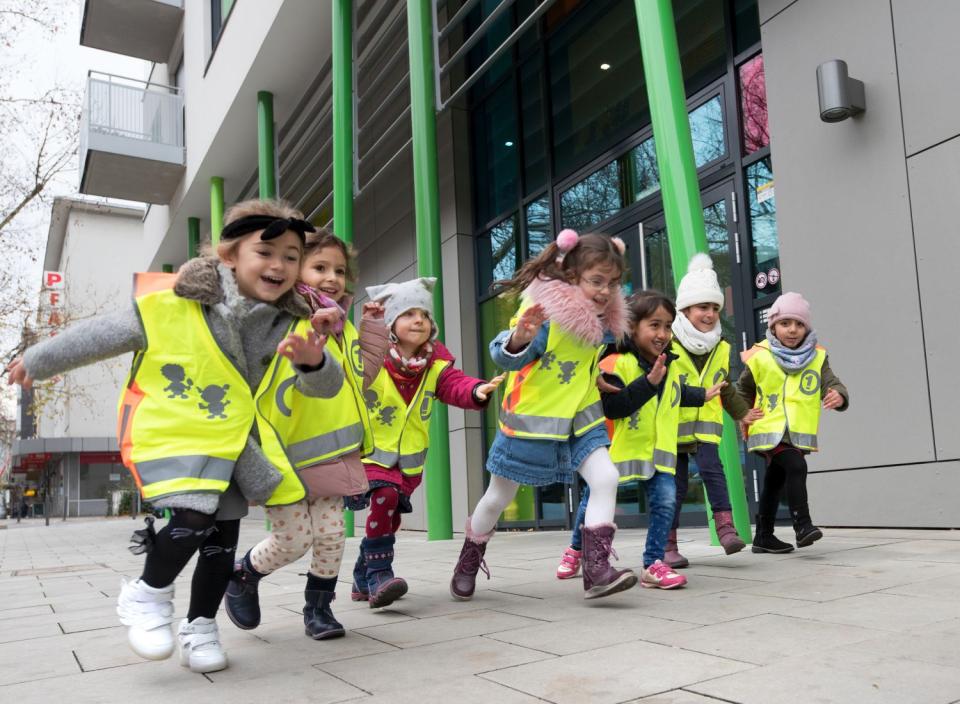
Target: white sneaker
point(148, 612)
point(200, 648)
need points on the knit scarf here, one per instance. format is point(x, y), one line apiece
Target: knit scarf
point(318, 300)
point(693, 341)
point(793, 360)
point(411, 366)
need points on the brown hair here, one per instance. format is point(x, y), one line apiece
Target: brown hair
point(255, 206)
point(643, 304)
point(323, 238)
point(591, 249)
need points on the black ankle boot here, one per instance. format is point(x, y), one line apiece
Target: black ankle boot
point(806, 532)
point(765, 540)
point(242, 600)
point(319, 622)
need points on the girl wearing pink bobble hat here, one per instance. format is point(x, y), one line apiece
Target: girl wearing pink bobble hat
point(788, 380)
point(551, 423)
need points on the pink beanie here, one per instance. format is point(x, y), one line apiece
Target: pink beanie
point(790, 306)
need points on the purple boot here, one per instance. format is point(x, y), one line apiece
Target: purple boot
point(672, 555)
point(599, 577)
point(726, 533)
point(471, 561)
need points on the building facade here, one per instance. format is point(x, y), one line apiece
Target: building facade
point(544, 123)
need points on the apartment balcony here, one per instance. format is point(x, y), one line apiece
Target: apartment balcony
point(131, 139)
point(145, 29)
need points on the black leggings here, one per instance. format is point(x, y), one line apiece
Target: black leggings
point(787, 468)
point(185, 533)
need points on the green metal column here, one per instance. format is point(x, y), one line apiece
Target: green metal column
point(265, 145)
point(342, 58)
point(167, 268)
point(193, 237)
point(681, 192)
point(216, 209)
point(423, 121)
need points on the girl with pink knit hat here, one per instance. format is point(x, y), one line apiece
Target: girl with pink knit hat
point(789, 381)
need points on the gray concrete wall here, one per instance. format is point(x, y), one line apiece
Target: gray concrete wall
point(866, 234)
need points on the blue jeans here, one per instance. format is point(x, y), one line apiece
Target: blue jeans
point(661, 491)
point(711, 474)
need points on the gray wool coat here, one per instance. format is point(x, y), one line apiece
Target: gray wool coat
point(248, 332)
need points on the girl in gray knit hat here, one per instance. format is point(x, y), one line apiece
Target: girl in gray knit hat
point(189, 429)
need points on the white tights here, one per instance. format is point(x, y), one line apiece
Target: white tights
point(598, 471)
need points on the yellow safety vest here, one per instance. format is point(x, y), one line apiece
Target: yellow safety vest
point(401, 432)
point(790, 402)
point(186, 411)
point(646, 441)
point(310, 430)
point(556, 395)
point(703, 424)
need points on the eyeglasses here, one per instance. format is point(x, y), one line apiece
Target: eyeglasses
point(602, 284)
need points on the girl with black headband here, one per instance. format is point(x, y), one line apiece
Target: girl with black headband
point(208, 342)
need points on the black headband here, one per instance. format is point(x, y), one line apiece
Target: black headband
point(272, 227)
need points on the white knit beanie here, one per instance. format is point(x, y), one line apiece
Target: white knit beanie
point(398, 298)
point(700, 284)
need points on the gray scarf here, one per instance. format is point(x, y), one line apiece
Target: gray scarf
point(793, 360)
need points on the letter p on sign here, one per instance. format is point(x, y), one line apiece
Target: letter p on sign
point(53, 279)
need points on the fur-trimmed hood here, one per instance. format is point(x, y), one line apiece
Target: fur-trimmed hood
point(209, 282)
point(568, 306)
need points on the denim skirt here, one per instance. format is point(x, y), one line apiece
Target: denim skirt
point(542, 462)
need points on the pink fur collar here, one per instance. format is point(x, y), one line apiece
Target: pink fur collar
point(569, 307)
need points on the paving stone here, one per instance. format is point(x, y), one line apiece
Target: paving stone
point(890, 612)
point(425, 631)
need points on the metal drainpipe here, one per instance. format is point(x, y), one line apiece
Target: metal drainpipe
point(216, 209)
point(193, 237)
point(265, 145)
point(427, 217)
point(681, 193)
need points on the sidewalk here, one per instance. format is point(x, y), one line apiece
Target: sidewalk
point(861, 616)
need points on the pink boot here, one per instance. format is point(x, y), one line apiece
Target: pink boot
point(660, 576)
point(569, 564)
point(723, 520)
point(671, 555)
point(599, 577)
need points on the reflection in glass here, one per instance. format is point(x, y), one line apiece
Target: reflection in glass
point(659, 269)
point(595, 198)
point(495, 163)
point(753, 105)
point(534, 136)
point(498, 253)
point(701, 39)
point(539, 232)
point(763, 229)
point(718, 242)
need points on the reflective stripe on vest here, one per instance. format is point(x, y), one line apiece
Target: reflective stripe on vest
point(703, 423)
point(401, 432)
point(646, 441)
point(790, 402)
point(186, 410)
point(554, 396)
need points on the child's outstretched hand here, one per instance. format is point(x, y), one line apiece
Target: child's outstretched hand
point(714, 391)
point(527, 327)
point(752, 416)
point(832, 400)
point(303, 351)
point(655, 375)
point(373, 310)
point(324, 320)
point(484, 390)
point(17, 374)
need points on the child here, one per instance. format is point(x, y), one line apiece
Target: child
point(331, 435)
point(189, 429)
point(643, 394)
point(786, 377)
point(703, 359)
point(551, 420)
point(417, 372)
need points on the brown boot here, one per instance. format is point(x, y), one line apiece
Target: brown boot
point(671, 555)
point(471, 561)
point(731, 542)
point(599, 577)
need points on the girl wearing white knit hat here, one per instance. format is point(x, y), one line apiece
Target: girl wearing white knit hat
point(704, 358)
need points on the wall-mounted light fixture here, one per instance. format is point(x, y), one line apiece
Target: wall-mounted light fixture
point(840, 96)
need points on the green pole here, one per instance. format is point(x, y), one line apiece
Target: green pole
point(167, 268)
point(216, 209)
point(342, 58)
point(265, 143)
point(681, 192)
point(193, 237)
point(423, 120)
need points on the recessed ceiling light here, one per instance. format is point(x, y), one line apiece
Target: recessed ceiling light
point(604, 67)
point(508, 144)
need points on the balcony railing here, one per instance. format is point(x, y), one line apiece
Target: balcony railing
point(124, 118)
